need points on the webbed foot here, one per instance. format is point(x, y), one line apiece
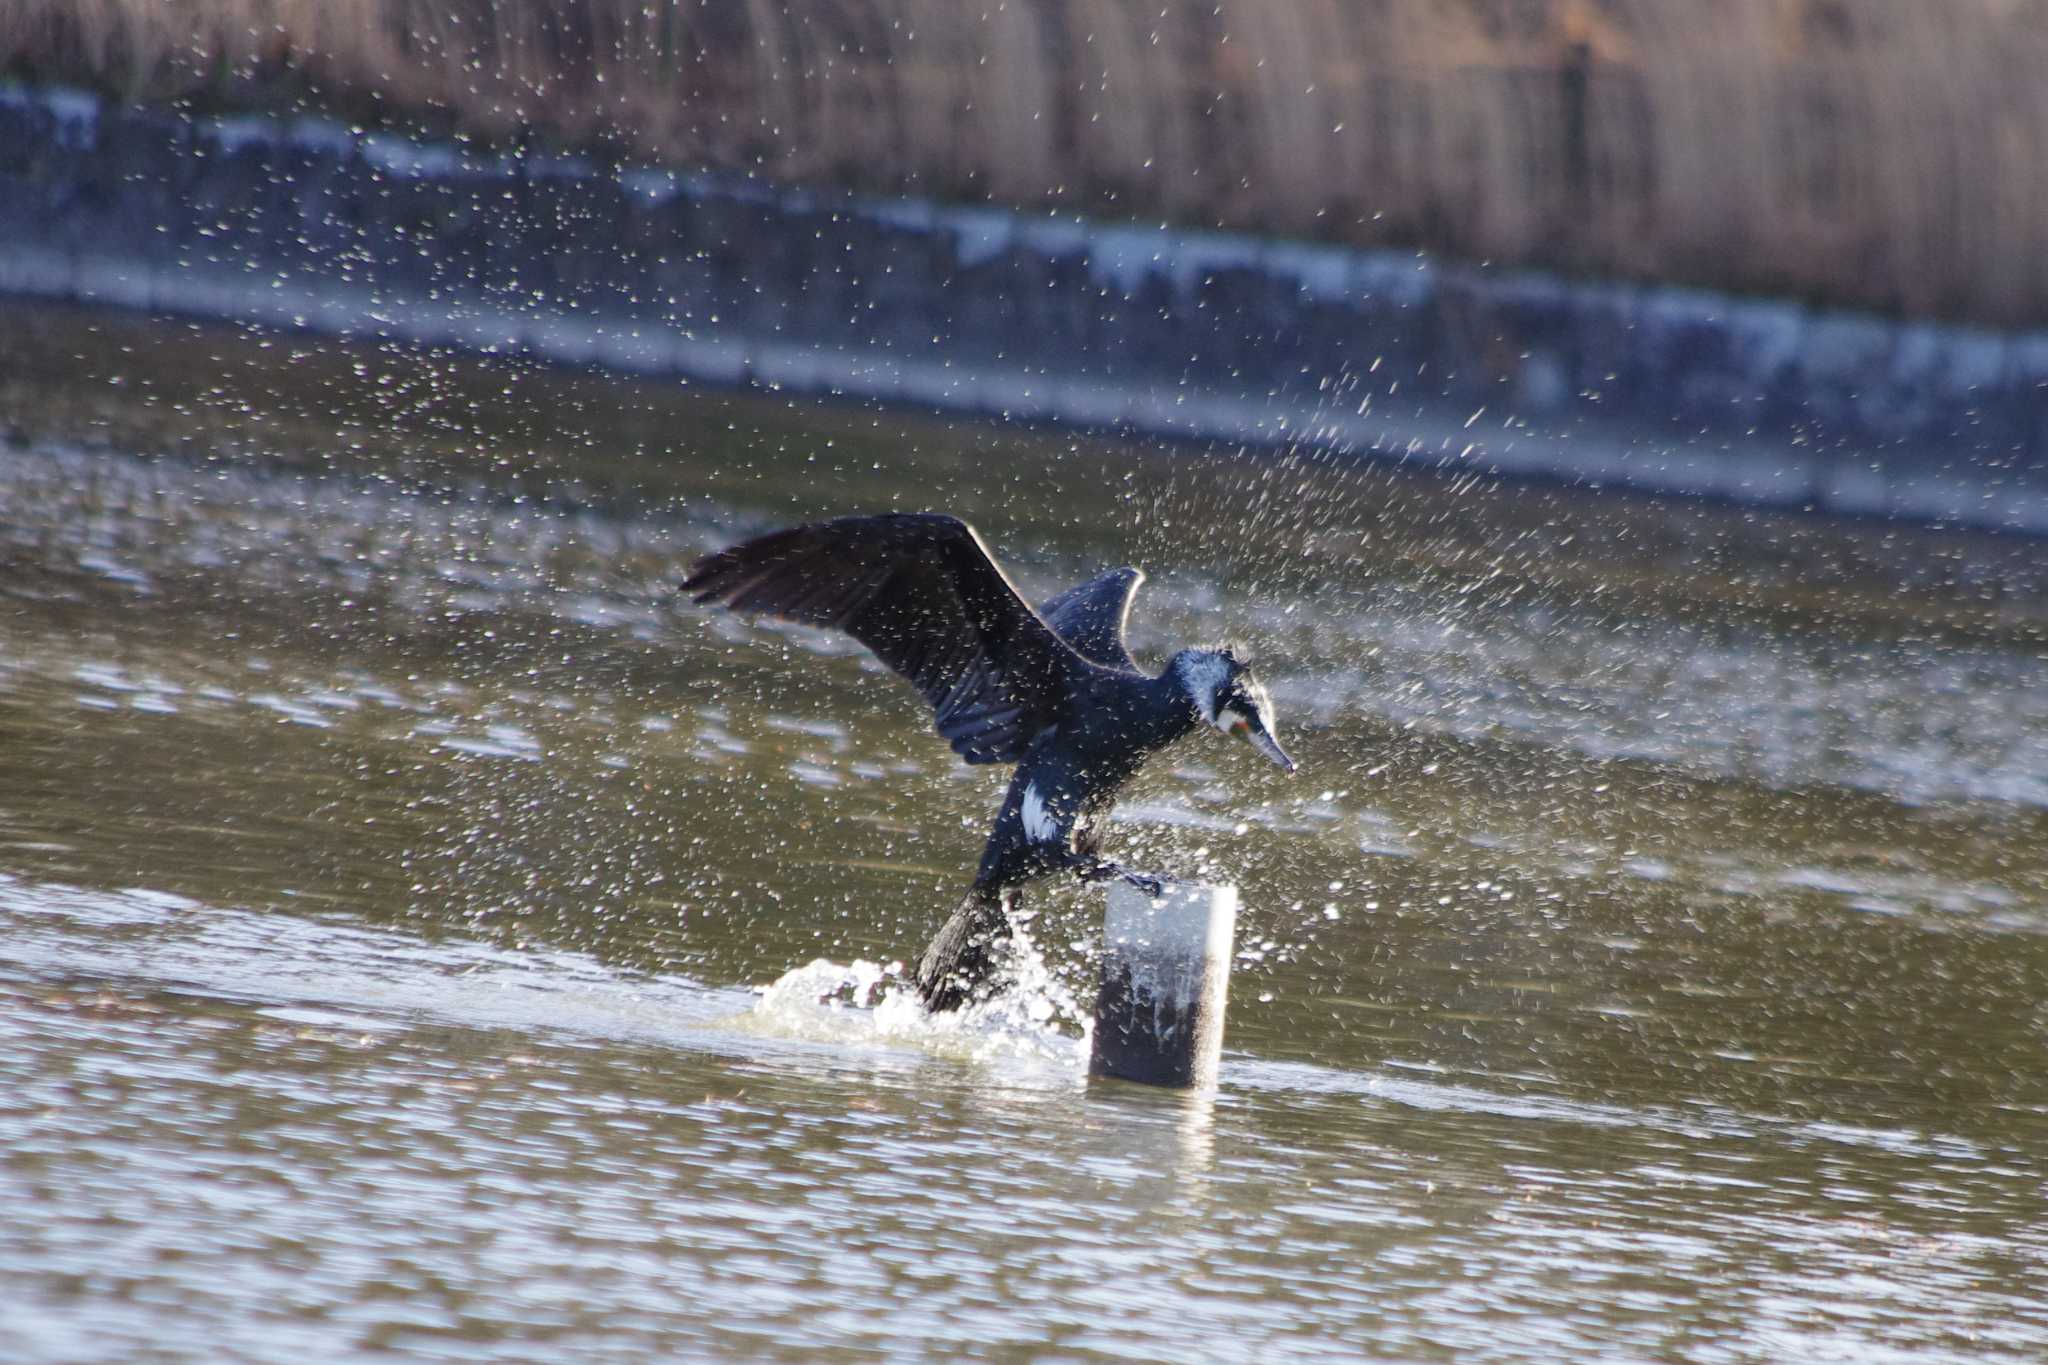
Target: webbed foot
point(1102, 870)
point(1147, 882)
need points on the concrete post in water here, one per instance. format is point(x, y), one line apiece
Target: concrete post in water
point(1165, 979)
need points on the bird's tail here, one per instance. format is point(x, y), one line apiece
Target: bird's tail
point(962, 957)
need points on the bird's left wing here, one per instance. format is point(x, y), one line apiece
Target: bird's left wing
point(923, 592)
point(1090, 617)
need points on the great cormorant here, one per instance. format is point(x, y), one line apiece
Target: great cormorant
point(1053, 691)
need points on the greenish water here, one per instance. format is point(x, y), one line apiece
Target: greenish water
point(1648, 963)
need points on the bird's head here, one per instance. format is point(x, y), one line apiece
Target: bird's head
point(1223, 692)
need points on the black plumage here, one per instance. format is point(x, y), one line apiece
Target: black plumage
point(1054, 691)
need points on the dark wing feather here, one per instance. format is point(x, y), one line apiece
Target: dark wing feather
point(1090, 617)
point(922, 591)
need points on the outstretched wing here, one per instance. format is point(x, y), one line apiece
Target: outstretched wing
point(1090, 617)
point(922, 591)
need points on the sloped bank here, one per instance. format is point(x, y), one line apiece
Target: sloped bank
point(305, 224)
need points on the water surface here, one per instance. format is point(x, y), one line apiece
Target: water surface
point(1648, 962)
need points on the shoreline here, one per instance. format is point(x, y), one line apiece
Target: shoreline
point(304, 224)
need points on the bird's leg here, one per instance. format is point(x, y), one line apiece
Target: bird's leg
point(1090, 868)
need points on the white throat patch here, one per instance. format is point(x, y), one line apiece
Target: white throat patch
point(1262, 704)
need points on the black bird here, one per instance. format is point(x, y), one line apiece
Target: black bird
point(1053, 691)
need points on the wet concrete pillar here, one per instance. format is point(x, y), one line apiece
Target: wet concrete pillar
point(1165, 981)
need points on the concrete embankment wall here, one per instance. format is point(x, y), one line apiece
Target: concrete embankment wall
point(305, 224)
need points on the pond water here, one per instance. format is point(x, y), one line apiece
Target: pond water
point(420, 931)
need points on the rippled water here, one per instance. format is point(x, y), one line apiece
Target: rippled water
point(1649, 962)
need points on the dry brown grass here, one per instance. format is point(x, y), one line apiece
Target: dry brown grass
point(1890, 153)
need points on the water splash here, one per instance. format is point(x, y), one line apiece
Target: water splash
point(1032, 1019)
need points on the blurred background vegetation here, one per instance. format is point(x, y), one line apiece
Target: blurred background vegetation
point(1886, 154)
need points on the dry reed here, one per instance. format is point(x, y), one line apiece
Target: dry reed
point(1884, 153)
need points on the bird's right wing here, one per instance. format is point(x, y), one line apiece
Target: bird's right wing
point(923, 592)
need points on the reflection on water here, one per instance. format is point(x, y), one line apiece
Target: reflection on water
point(405, 903)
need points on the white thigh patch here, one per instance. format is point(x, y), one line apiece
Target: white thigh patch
point(1039, 825)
